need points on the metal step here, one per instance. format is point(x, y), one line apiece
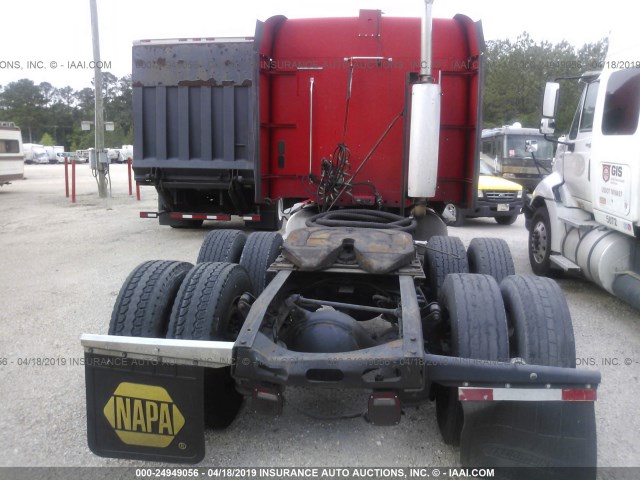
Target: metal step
point(564, 263)
point(581, 224)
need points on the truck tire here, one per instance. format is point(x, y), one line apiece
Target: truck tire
point(206, 308)
point(452, 215)
point(490, 256)
point(535, 434)
point(540, 245)
point(538, 313)
point(143, 306)
point(260, 251)
point(222, 246)
point(444, 255)
point(509, 220)
point(473, 306)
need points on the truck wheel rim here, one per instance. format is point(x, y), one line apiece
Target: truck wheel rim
point(539, 244)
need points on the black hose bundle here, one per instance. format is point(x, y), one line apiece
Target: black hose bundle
point(334, 176)
point(360, 218)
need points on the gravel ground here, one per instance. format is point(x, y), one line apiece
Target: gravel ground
point(62, 265)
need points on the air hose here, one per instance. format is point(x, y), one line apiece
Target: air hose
point(358, 218)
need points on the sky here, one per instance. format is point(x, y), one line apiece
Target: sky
point(49, 40)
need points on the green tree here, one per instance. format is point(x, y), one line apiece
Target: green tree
point(23, 103)
point(46, 140)
point(516, 73)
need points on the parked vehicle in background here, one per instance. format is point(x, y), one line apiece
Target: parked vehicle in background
point(585, 216)
point(70, 156)
point(498, 197)
point(52, 152)
point(127, 152)
point(113, 154)
point(83, 156)
point(35, 153)
point(11, 153)
point(511, 159)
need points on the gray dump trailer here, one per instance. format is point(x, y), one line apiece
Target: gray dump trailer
point(196, 136)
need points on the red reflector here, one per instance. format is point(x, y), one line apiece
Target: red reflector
point(199, 217)
point(223, 217)
point(251, 218)
point(148, 215)
point(579, 395)
point(175, 215)
point(475, 394)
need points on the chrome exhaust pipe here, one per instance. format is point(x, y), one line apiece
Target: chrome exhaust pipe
point(424, 133)
point(426, 50)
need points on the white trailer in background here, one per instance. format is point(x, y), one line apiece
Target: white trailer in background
point(35, 153)
point(11, 153)
point(127, 152)
point(52, 153)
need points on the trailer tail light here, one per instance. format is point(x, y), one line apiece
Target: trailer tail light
point(384, 409)
point(148, 214)
point(267, 401)
point(478, 394)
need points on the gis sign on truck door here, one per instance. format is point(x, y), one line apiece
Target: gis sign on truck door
point(617, 156)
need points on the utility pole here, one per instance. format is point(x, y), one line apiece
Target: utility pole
point(99, 120)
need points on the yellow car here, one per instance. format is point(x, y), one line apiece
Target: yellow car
point(497, 197)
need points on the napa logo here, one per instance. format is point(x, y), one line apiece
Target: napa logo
point(143, 415)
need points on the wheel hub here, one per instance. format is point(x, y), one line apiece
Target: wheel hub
point(539, 242)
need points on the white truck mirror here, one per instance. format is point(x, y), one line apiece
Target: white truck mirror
point(547, 126)
point(550, 101)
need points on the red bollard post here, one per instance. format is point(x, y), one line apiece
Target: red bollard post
point(73, 181)
point(137, 191)
point(129, 173)
point(66, 176)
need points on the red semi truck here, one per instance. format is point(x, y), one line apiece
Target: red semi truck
point(372, 112)
point(304, 110)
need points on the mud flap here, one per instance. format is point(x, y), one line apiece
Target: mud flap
point(553, 440)
point(144, 410)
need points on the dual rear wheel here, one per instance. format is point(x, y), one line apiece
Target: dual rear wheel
point(524, 317)
point(178, 300)
point(492, 314)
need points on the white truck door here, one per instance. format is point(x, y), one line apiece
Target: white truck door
point(576, 156)
point(616, 169)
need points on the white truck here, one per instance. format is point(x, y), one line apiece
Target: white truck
point(52, 153)
point(11, 154)
point(127, 152)
point(585, 216)
point(35, 153)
